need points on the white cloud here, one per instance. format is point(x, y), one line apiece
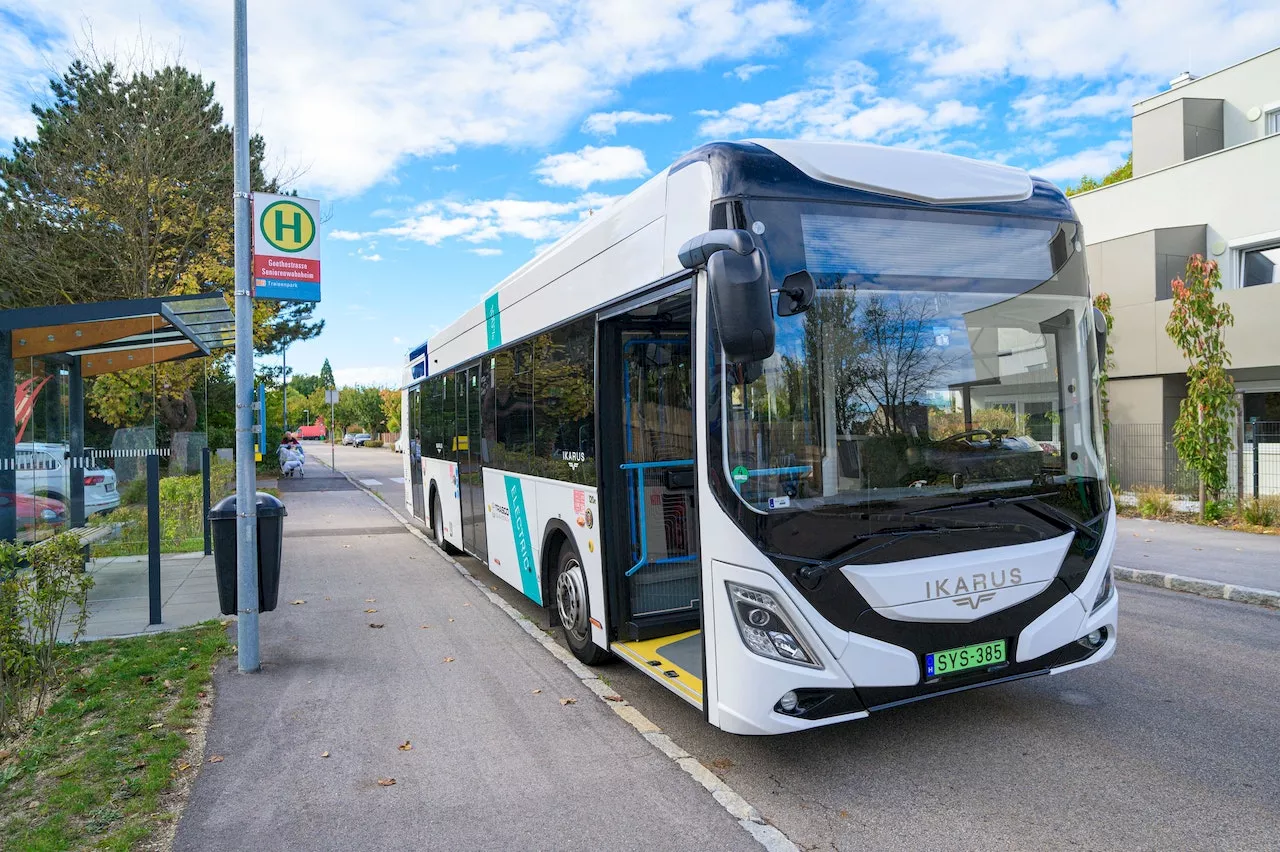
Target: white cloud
point(480, 221)
point(1090, 39)
point(348, 91)
point(349, 236)
point(606, 123)
point(396, 340)
point(486, 252)
point(1094, 162)
point(746, 72)
point(372, 258)
point(846, 106)
point(381, 375)
point(592, 165)
point(452, 167)
point(1067, 104)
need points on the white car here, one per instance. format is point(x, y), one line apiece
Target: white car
point(402, 443)
point(44, 470)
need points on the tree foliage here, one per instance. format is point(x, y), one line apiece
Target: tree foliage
point(1102, 302)
point(126, 192)
point(326, 376)
point(1197, 323)
point(1124, 171)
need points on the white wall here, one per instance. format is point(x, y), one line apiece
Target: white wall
point(1254, 82)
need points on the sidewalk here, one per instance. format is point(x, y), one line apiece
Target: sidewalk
point(1206, 553)
point(497, 759)
point(119, 602)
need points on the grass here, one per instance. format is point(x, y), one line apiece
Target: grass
point(1154, 503)
point(99, 768)
point(1261, 511)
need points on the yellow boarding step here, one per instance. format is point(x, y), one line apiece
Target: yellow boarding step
point(673, 661)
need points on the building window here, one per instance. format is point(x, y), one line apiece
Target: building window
point(1264, 407)
point(1272, 119)
point(1260, 265)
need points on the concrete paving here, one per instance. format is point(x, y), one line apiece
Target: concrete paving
point(119, 602)
point(1208, 553)
point(507, 748)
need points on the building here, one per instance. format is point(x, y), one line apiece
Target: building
point(1206, 180)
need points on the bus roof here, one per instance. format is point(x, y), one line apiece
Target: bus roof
point(634, 241)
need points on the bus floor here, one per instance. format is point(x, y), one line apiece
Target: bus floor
point(674, 661)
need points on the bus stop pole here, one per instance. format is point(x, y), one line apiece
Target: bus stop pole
point(246, 476)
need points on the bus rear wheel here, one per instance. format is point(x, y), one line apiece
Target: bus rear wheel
point(573, 606)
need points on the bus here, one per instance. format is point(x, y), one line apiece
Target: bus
point(801, 430)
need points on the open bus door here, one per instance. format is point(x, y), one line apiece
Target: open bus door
point(649, 478)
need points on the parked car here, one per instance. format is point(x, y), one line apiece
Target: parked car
point(402, 443)
point(44, 470)
point(356, 439)
point(32, 511)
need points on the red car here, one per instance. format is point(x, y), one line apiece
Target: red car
point(34, 511)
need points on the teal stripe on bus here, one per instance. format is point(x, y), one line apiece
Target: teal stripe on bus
point(524, 546)
point(493, 321)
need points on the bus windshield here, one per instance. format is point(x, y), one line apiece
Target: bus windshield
point(947, 357)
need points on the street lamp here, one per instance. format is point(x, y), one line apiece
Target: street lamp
point(306, 416)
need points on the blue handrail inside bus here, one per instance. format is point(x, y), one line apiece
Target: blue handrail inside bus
point(637, 500)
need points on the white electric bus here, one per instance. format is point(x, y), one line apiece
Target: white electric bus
point(801, 430)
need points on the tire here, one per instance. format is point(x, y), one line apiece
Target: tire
point(573, 607)
point(437, 525)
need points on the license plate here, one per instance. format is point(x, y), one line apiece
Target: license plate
point(110, 486)
point(962, 659)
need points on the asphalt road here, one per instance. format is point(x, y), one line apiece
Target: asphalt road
point(1244, 559)
point(1172, 744)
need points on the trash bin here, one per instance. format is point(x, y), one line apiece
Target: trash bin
point(222, 518)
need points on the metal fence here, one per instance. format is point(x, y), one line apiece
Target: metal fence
point(1142, 455)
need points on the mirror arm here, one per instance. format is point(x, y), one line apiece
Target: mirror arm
point(697, 251)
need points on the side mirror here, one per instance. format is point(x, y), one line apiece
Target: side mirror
point(796, 293)
point(740, 294)
point(1100, 332)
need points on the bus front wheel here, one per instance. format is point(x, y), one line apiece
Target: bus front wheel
point(574, 607)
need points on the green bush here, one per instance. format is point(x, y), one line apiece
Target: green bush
point(181, 514)
point(134, 492)
point(1154, 503)
point(375, 443)
point(39, 585)
point(1261, 511)
point(1215, 510)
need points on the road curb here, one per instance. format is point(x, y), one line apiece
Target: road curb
point(747, 816)
point(1196, 586)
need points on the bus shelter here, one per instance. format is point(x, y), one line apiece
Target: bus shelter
point(47, 353)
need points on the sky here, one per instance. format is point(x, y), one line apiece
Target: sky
point(450, 142)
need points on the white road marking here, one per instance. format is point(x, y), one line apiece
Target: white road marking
point(371, 482)
point(398, 480)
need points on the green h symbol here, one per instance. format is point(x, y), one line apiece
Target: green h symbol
point(295, 226)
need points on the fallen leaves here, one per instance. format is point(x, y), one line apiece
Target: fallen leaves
point(324, 754)
point(183, 766)
point(468, 603)
point(370, 600)
point(448, 659)
point(156, 725)
point(297, 602)
point(614, 697)
point(451, 621)
point(184, 647)
point(386, 782)
point(564, 702)
point(537, 692)
point(215, 758)
point(370, 610)
point(425, 627)
point(146, 678)
point(376, 626)
point(405, 747)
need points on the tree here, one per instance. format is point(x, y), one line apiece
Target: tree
point(1102, 302)
point(326, 376)
point(304, 384)
point(1202, 432)
point(1124, 171)
point(900, 362)
point(391, 409)
point(369, 411)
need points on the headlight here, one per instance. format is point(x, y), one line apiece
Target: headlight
point(1104, 592)
point(764, 628)
point(48, 515)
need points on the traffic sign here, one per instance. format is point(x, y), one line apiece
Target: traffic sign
point(331, 397)
point(286, 253)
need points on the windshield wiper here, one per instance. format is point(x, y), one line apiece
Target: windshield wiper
point(813, 571)
point(1032, 503)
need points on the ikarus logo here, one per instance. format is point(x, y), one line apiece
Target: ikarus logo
point(287, 226)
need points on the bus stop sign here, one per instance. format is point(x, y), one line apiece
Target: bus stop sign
point(286, 253)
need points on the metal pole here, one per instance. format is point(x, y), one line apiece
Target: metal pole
point(153, 535)
point(332, 464)
point(284, 388)
point(1253, 423)
point(206, 460)
point(246, 479)
point(75, 442)
point(8, 437)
